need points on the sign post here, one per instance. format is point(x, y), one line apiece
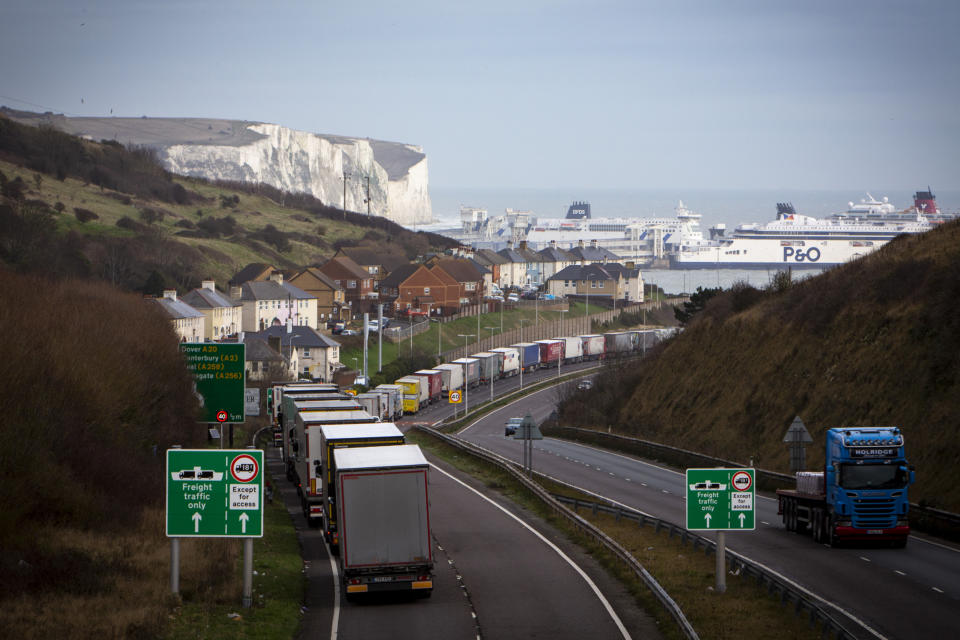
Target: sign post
point(721, 500)
point(214, 493)
point(219, 374)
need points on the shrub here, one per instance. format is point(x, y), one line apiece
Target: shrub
point(85, 215)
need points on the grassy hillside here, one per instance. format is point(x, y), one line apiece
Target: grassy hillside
point(875, 342)
point(98, 210)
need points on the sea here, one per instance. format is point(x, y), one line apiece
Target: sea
point(728, 206)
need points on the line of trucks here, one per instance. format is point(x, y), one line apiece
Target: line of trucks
point(359, 480)
point(428, 386)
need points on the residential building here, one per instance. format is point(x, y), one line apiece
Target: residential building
point(425, 291)
point(468, 276)
point(253, 272)
point(589, 280)
point(309, 352)
point(375, 262)
point(188, 323)
point(356, 282)
point(389, 287)
point(554, 260)
point(263, 363)
point(513, 273)
point(275, 303)
point(588, 254)
point(330, 296)
point(224, 315)
point(494, 262)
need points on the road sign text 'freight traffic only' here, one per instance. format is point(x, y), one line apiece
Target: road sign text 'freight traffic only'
point(214, 493)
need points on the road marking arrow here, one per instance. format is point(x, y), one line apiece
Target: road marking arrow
point(742, 518)
point(243, 522)
point(196, 521)
point(707, 518)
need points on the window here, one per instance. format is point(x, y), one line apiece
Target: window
point(593, 284)
point(426, 291)
point(351, 284)
point(306, 352)
point(471, 286)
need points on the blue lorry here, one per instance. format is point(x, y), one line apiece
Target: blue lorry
point(861, 495)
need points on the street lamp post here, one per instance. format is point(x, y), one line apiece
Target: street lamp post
point(492, 329)
point(466, 385)
point(560, 359)
point(521, 359)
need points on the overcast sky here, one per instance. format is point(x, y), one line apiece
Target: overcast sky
point(532, 93)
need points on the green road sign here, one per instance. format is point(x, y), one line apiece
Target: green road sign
point(215, 493)
point(721, 499)
point(219, 373)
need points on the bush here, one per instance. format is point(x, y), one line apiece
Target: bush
point(85, 215)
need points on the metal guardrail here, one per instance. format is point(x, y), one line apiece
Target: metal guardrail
point(737, 563)
point(923, 518)
point(579, 523)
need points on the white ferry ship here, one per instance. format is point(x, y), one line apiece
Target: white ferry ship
point(799, 241)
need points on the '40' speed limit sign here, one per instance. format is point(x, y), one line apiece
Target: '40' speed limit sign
point(456, 397)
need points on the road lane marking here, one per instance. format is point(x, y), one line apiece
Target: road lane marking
point(898, 572)
point(937, 590)
point(865, 559)
point(590, 583)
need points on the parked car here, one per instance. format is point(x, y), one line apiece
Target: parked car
point(349, 332)
point(513, 298)
point(511, 426)
point(584, 385)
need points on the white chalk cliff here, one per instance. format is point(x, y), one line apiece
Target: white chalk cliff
point(290, 160)
point(303, 162)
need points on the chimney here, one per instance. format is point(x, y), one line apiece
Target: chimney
point(580, 243)
point(509, 244)
point(276, 276)
point(170, 294)
point(289, 325)
point(594, 244)
point(553, 244)
point(236, 292)
point(208, 285)
point(523, 245)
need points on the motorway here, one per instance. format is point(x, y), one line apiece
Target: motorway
point(892, 593)
point(500, 573)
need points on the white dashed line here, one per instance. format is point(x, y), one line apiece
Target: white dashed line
point(899, 573)
point(938, 590)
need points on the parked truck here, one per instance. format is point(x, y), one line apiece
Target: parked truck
point(551, 352)
point(592, 346)
point(617, 343)
point(287, 412)
point(509, 360)
point(451, 376)
point(860, 495)
point(375, 404)
point(395, 393)
point(434, 384)
point(384, 524)
point(416, 393)
point(529, 355)
point(471, 370)
point(572, 349)
point(339, 436)
point(308, 453)
point(490, 364)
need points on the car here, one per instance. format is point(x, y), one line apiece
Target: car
point(584, 385)
point(513, 298)
point(546, 296)
point(349, 332)
point(511, 426)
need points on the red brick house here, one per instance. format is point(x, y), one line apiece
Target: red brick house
point(424, 290)
point(357, 284)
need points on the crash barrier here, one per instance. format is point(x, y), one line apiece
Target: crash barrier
point(584, 527)
point(778, 585)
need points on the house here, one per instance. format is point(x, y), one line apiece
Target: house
point(494, 262)
point(426, 291)
point(264, 363)
point(375, 262)
point(629, 281)
point(274, 303)
point(589, 280)
point(330, 296)
point(253, 272)
point(309, 352)
point(588, 254)
point(389, 287)
point(188, 323)
point(513, 273)
point(224, 315)
point(554, 259)
point(468, 276)
point(452, 291)
point(356, 282)
point(534, 262)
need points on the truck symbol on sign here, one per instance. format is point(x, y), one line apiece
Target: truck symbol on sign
point(706, 485)
point(197, 474)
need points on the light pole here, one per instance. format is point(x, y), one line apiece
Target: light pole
point(492, 329)
point(521, 354)
point(345, 176)
point(501, 315)
point(466, 386)
point(564, 347)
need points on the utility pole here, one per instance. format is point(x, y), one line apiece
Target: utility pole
point(367, 200)
point(491, 329)
point(345, 176)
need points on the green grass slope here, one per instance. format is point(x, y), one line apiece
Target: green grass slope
point(875, 342)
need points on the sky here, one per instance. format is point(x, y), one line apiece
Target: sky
point(838, 94)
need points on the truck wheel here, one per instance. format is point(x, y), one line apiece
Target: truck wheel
point(831, 537)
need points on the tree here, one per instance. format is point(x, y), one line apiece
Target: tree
point(698, 300)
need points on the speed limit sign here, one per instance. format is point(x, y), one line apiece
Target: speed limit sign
point(456, 397)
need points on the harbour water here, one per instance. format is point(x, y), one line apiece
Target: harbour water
point(686, 281)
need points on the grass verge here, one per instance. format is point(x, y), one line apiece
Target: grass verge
point(688, 575)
